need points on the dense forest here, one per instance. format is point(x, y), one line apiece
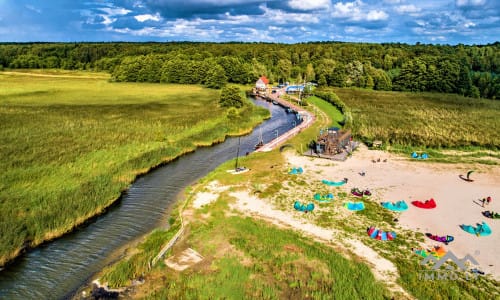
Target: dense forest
point(472, 71)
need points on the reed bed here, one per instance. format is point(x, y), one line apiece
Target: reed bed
point(423, 119)
point(70, 144)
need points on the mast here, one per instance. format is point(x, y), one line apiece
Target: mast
point(237, 154)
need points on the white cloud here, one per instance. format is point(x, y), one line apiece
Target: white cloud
point(32, 8)
point(147, 17)
point(309, 4)
point(461, 3)
point(237, 19)
point(408, 8)
point(469, 24)
point(354, 11)
point(393, 1)
point(376, 15)
point(115, 11)
point(108, 20)
point(281, 17)
point(347, 10)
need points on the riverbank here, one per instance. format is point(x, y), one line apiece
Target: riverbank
point(73, 144)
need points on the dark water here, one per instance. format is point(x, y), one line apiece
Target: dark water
point(57, 269)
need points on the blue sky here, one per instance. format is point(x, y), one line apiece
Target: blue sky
point(284, 21)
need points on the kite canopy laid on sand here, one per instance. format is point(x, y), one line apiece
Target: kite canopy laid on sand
point(491, 214)
point(358, 193)
point(427, 204)
point(296, 171)
point(482, 229)
point(323, 198)
point(438, 251)
point(302, 207)
point(354, 206)
point(378, 234)
point(467, 177)
point(334, 183)
point(398, 206)
point(443, 239)
point(422, 156)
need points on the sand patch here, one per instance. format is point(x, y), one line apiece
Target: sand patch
point(183, 260)
point(204, 198)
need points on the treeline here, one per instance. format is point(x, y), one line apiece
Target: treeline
point(472, 71)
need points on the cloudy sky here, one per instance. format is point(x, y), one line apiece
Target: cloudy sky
point(284, 21)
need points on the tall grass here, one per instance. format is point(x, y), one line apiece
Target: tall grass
point(70, 144)
point(264, 262)
point(423, 119)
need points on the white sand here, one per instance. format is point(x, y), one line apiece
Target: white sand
point(203, 198)
point(403, 179)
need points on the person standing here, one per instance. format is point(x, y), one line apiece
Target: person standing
point(488, 200)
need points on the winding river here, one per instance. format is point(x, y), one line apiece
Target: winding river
point(56, 270)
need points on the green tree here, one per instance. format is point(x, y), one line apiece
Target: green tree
point(310, 75)
point(216, 77)
point(284, 69)
point(230, 96)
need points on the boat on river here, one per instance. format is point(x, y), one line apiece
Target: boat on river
point(260, 143)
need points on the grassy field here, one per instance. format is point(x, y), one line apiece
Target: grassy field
point(332, 112)
point(425, 120)
point(71, 142)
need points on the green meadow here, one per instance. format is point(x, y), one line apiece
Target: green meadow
point(71, 142)
point(430, 120)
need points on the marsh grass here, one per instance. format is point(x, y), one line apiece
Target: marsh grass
point(71, 142)
point(428, 120)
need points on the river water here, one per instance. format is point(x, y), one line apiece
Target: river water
point(57, 269)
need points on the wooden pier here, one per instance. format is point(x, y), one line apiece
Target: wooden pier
point(307, 119)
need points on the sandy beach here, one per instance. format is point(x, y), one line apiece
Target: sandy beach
point(457, 201)
point(398, 178)
point(392, 179)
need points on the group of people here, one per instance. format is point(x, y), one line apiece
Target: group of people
point(486, 200)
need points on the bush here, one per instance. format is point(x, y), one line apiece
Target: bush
point(231, 97)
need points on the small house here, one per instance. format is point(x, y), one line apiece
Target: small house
point(261, 84)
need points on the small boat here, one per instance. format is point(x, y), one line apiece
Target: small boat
point(261, 141)
point(275, 102)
